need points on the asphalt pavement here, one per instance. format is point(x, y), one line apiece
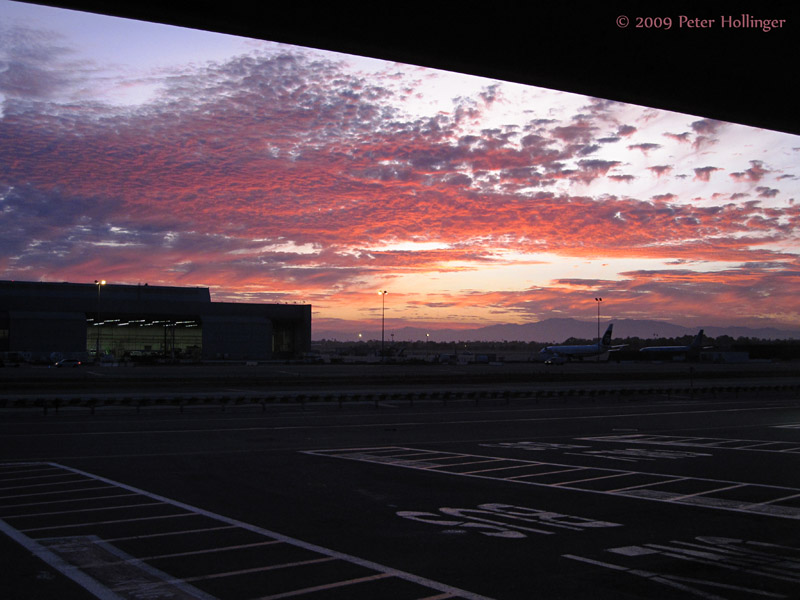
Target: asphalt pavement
point(641, 497)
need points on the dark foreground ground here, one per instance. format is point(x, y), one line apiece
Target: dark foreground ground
point(635, 495)
point(96, 386)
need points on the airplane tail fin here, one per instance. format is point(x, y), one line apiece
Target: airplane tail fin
point(607, 335)
point(697, 340)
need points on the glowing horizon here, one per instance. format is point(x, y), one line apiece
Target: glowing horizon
point(137, 152)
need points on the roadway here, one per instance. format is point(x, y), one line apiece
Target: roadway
point(645, 497)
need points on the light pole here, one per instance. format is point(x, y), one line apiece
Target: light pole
point(99, 284)
point(598, 301)
point(383, 317)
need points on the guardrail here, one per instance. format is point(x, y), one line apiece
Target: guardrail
point(386, 399)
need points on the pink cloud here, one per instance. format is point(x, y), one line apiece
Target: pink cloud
point(660, 170)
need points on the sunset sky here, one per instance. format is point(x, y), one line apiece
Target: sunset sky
point(141, 153)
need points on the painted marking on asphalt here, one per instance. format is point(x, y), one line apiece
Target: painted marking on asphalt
point(644, 485)
point(169, 533)
point(776, 500)
point(529, 475)
point(78, 510)
point(504, 520)
point(289, 565)
point(465, 462)
point(703, 442)
point(706, 492)
point(637, 454)
point(726, 565)
point(64, 539)
point(711, 494)
point(38, 485)
point(593, 478)
point(211, 550)
point(89, 489)
point(500, 469)
point(48, 502)
point(107, 564)
point(338, 584)
point(534, 446)
point(3, 480)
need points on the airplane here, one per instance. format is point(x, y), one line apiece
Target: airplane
point(695, 346)
point(561, 354)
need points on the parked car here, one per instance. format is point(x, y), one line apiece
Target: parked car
point(68, 362)
point(556, 360)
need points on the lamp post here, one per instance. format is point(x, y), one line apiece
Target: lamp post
point(99, 284)
point(383, 317)
point(598, 301)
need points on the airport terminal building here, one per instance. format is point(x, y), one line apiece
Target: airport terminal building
point(45, 321)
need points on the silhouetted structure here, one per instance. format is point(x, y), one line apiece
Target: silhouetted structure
point(43, 321)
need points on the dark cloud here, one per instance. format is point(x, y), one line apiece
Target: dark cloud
point(34, 66)
point(765, 192)
point(704, 173)
point(644, 147)
point(706, 126)
point(684, 137)
point(582, 132)
point(755, 173)
point(664, 197)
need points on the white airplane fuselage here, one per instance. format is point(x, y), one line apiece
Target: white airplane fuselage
point(694, 346)
point(581, 351)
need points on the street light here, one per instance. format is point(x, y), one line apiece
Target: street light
point(598, 300)
point(99, 284)
point(383, 317)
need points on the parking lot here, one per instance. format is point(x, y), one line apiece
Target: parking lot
point(642, 496)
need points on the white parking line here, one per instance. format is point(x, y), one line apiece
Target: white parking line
point(61, 552)
point(38, 485)
point(644, 485)
point(594, 478)
point(773, 508)
point(775, 500)
point(545, 473)
point(707, 492)
point(68, 500)
point(169, 533)
point(79, 510)
point(703, 442)
point(113, 522)
point(297, 563)
point(33, 477)
point(319, 588)
point(501, 468)
point(748, 568)
point(211, 550)
point(101, 487)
